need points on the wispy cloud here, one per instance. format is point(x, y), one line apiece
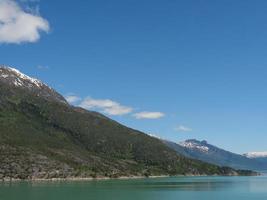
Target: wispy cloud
point(30, 1)
point(149, 115)
point(42, 67)
point(182, 128)
point(106, 105)
point(18, 25)
point(72, 99)
point(109, 107)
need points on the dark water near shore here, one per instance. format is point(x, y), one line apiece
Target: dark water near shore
point(188, 188)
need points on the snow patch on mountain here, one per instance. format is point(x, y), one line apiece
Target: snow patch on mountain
point(4, 75)
point(154, 136)
point(6, 72)
point(256, 155)
point(190, 144)
point(13, 77)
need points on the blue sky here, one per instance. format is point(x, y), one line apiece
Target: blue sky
point(199, 68)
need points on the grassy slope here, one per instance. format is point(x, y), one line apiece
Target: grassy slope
point(48, 139)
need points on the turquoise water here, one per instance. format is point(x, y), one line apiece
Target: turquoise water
point(188, 188)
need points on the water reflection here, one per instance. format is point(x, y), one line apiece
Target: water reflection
point(189, 188)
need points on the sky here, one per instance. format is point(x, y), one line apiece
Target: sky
point(177, 69)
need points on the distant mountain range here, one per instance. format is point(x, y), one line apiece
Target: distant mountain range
point(260, 157)
point(256, 155)
point(206, 152)
point(42, 136)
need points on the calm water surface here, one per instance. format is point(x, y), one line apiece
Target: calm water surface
point(188, 188)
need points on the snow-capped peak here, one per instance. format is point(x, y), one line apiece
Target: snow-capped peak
point(12, 77)
point(194, 144)
point(256, 155)
point(18, 77)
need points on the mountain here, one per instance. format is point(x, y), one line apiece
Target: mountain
point(42, 136)
point(258, 157)
point(13, 78)
point(205, 152)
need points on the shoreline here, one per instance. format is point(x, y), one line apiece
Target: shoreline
point(77, 179)
point(80, 179)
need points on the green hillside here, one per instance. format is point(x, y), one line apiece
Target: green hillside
point(42, 138)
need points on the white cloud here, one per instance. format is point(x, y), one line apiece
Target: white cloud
point(109, 107)
point(182, 128)
point(72, 98)
point(105, 105)
point(17, 25)
point(149, 115)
